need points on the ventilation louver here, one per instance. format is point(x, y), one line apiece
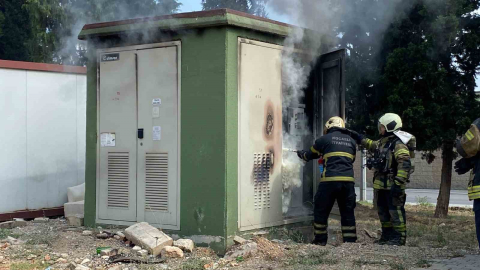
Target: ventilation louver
point(156, 182)
point(118, 176)
point(261, 177)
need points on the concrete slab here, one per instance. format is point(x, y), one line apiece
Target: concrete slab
point(148, 237)
point(74, 209)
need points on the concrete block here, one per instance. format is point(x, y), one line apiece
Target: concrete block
point(109, 252)
point(239, 240)
point(41, 220)
point(7, 225)
point(74, 209)
point(76, 193)
point(148, 237)
point(186, 245)
point(75, 221)
point(142, 253)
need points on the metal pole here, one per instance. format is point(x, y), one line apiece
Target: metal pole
point(363, 186)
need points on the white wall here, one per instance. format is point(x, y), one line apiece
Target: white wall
point(42, 137)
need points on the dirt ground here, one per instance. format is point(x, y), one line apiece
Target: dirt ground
point(58, 246)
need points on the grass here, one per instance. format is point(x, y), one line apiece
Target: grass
point(313, 258)
point(422, 263)
point(398, 266)
point(4, 233)
point(361, 262)
point(192, 264)
point(27, 266)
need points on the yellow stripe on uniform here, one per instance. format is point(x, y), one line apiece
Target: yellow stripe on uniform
point(314, 150)
point(469, 135)
point(337, 178)
point(319, 226)
point(474, 189)
point(348, 228)
point(369, 143)
point(474, 196)
point(349, 235)
point(402, 173)
point(338, 154)
point(402, 151)
point(320, 232)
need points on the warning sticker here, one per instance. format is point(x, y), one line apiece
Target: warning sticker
point(156, 101)
point(107, 139)
point(157, 133)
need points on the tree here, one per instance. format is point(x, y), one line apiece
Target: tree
point(424, 70)
point(14, 31)
point(255, 7)
point(55, 24)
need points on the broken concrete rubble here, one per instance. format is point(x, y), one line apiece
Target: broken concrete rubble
point(136, 248)
point(121, 235)
point(172, 252)
point(245, 250)
point(142, 253)
point(19, 222)
point(109, 252)
point(81, 267)
point(148, 237)
point(239, 240)
point(75, 221)
point(41, 220)
point(186, 245)
point(86, 233)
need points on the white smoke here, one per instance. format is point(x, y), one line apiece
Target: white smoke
point(320, 23)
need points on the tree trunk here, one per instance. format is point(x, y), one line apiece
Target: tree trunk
point(446, 184)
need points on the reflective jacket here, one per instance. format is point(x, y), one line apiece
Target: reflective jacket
point(469, 147)
point(397, 159)
point(338, 150)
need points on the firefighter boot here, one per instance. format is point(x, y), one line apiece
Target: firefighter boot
point(386, 237)
point(396, 241)
point(319, 241)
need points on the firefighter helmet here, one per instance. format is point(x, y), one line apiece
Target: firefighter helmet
point(391, 121)
point(334, 122)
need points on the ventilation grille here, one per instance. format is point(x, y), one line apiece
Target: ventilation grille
point(261, 177)
point(156, 186)
point(118, 176)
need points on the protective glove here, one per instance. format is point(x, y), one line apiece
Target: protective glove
point(301, 154)
point(396, 190)
point(356, 136)
point(464, 165)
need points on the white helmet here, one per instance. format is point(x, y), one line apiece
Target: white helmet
point(334, 122)
point(392, 122)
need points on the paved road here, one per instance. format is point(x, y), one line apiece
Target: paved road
point(457, 197)
point(469, 262)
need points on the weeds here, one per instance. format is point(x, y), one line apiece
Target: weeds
point(422, 263)
point(361, 262)
point(297, 236)
point(27, 266)
point(397, 266)
point(313, 258)
point(423, 201)
point(192, 264)
point(4, 233)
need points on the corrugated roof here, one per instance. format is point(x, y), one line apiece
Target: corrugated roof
point(42, 67)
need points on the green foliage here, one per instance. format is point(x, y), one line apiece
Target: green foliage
point(255, 7)
point(423, 69)
point(46, 30)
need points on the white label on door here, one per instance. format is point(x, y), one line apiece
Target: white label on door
point(155, 112)
point(156, 101)
point(157, 133)
point(107, 139)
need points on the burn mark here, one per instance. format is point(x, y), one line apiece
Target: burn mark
point(269, 126)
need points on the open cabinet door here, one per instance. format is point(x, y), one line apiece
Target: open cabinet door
point(330, 95)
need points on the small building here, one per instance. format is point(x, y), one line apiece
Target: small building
point(42, 119)
point(186, 124)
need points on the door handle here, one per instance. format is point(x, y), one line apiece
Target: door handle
point(140, 133)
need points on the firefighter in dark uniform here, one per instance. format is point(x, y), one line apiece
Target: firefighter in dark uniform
point(469, 148)
point(392, 167)
point(337, 182)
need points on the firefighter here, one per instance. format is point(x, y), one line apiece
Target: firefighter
point(469, 148)
point(392, 167)
point(337, 183)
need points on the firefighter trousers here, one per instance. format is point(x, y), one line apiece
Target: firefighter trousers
point(391, 211)
point(476, 209)
point(344, 194)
